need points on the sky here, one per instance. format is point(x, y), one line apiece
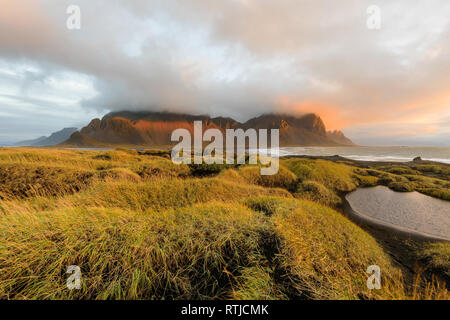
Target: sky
point(237, 58)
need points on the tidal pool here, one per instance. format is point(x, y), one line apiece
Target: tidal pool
point(410, 212)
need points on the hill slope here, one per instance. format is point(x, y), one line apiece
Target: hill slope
point(54, 139)
point(79, 139)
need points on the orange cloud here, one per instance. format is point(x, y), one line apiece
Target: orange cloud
point(332, 115)
point(422, 113)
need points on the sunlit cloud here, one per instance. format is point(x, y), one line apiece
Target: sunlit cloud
point(230, 58)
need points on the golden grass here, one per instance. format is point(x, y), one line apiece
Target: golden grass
point(335, 176)
point(141, 227)
point(436, 255)
point(315, 191)
point(26, 181)
point(174, 254)
point(340, 178)
point(283, 179)
point(327, 256)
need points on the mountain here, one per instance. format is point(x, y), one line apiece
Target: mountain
point(78, 139)
point(155, 128)
point(32, 142)
point(54, 139)
point(306, 130)
point(148, 128)
point(339, 137)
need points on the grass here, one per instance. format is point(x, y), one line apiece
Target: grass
point(283, 179)
point(317, 192)
point(437, 256)
point(26, 181)
point(340, 178)
point(328, 256)
point(321, 181)
point(175, 254)
point(334, 176)
point(141, 227)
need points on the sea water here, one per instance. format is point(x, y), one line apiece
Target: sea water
point(393, 154)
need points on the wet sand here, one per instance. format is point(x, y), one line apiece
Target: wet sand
point(412, 212)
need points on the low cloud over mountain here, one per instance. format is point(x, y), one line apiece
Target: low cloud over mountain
point(229, 58)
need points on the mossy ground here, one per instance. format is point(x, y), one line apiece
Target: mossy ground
point(140, 227)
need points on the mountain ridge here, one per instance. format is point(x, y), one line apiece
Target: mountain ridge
point(54, 139)
point(155, 129)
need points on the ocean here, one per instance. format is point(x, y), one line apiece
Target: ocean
point(393, 154)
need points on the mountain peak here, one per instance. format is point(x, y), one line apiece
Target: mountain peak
point(339, 137)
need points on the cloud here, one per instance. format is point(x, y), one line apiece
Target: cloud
point(241, 58)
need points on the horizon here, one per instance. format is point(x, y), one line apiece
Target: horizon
point(13, 143)
point(382, 84)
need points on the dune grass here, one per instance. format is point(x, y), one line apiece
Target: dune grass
point(436, 255)
point(283, 179)
point(327, 256)
point(321, 181)
point(327, 180)
point(174, 254)
point(140, 227)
